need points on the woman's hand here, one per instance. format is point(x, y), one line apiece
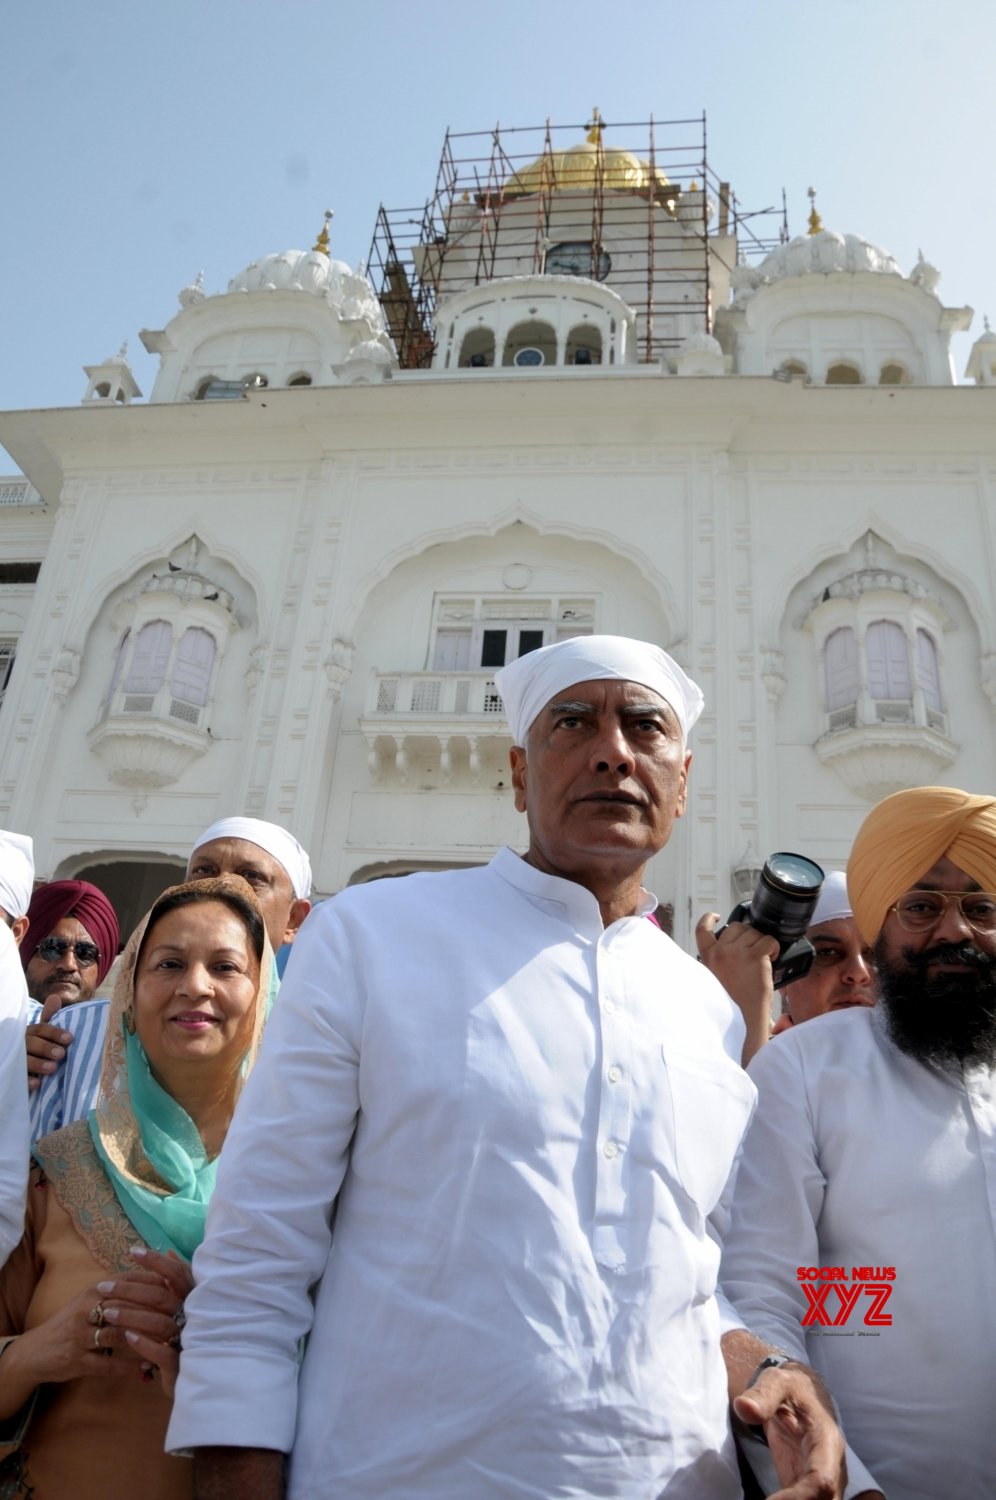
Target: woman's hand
point(146, 1306)
point(78, 1341)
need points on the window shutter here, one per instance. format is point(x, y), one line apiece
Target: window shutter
point(888, 662)
point(840, 659)
point(928, 673)
point(192, 668)
point(151, 657)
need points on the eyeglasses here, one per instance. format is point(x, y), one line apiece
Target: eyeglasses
point(919, 911)
point(51, 948)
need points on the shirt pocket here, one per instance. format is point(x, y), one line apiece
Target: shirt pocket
point(711, 1106)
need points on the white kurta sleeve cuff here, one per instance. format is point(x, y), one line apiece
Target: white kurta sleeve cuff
point(233, 1401)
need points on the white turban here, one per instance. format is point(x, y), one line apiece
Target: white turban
point(833, 903)
point(528, 684)
point(269, 836)
point(17, 872)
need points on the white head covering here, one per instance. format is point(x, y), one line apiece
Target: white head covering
point(833, 900)
point(269, 836)
point(528, 684)
point(17, 872)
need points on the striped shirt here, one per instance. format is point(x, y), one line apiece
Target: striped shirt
point(70, 1092)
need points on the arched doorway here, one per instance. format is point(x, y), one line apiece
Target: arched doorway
point(131, 882)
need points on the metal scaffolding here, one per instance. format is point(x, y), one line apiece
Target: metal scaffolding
point(498, 194)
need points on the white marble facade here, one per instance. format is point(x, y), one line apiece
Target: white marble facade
point(277, 587)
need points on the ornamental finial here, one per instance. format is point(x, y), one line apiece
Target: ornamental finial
point(594, 128)
point(815, 222)
point(321, 245)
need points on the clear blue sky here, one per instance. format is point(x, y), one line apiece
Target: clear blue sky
point(147, 142)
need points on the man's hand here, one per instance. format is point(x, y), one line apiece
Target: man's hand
point(46, 1046)
point(740, 958)
point(248, 1473)
point(794, 1408)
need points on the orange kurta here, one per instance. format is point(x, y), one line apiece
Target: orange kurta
point(88, 1439)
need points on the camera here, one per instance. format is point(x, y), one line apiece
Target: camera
point(782, 906)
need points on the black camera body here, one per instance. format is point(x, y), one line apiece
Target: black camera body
point(782, 906)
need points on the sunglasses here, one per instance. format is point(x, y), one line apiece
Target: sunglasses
point(52, 948)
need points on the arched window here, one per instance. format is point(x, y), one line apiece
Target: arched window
point(150, 658)
point(302, 379)
point(841, 667)
point(843, 373)
point(928, 673)
point(888, 661)
point(192, 668)
point(893, 374)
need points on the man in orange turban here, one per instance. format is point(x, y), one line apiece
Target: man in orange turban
point(863, 1232)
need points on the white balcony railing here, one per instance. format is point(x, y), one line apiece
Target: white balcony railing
point(446, 695)
point(18, 492)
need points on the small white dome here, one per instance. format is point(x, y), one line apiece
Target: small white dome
point(372, 351)
point(701, 343)
point(824, 252)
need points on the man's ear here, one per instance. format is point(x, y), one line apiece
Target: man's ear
point(19, 927)
point(683, 787)
point(299, 910)
point(517, 760)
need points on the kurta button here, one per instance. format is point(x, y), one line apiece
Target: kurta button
point(609, 1007)
point(611, 1149)
point(615, 1074)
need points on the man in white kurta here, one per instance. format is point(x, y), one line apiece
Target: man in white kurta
point(520, 1115)
point(16, 876)
point(864, 1155)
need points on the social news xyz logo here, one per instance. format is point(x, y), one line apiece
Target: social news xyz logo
point(833, 1294)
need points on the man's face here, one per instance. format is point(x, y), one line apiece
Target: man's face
point(64, 978)
point(938, 987)
point(843, 972)
point(270, 882)
point(601, 779)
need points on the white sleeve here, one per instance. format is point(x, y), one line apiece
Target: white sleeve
point(15, 1135)
point(268, 1231)
point(772, 1229)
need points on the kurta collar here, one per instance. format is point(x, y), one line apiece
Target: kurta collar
point(574, 902)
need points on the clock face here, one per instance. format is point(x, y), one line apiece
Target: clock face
point(574, 258)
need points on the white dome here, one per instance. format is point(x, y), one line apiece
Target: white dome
point(349, 292)
point(293, 270)
point(372, 351)
point(825, 252)
point(701, 343)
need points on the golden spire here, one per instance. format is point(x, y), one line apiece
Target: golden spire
point(594, 128)
point(815, 222)
point(321, 245)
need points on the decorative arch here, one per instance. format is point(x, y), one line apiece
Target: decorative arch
point(514, 515)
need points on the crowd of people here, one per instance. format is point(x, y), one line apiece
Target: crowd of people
point(499, 1193)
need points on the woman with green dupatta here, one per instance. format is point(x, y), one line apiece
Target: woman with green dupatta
point(91, 1300)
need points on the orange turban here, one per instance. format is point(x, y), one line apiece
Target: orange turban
point(904, 837)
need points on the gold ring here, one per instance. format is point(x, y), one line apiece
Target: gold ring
point(96, 1315)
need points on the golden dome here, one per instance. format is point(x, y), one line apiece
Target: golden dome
point(576, 170)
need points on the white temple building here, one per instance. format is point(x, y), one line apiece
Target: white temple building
point(585, 394)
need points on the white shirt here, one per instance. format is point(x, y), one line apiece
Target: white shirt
point(15, 1132)
point(859, 1156)
point(530, 1117)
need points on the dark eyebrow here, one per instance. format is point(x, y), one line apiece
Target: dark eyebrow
point(570, 707)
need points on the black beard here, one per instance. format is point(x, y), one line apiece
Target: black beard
point(948, 1019)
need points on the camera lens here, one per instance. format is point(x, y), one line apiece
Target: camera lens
point(793, 872)
point(786, 895)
